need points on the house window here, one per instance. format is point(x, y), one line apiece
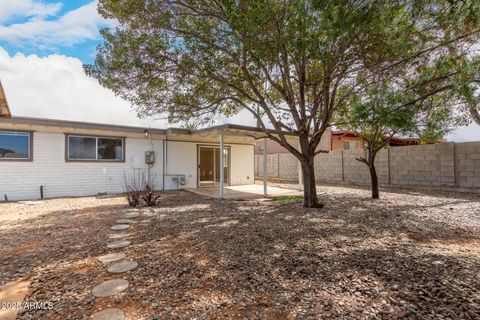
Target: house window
point(82, 148)
point(349, 144)
point(15, 145)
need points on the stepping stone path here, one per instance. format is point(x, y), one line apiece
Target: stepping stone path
point(119, 235)
point(122, 266)
point(115, 286)
point(129, 215)
point(118, 244)
point(111, 257)
point(109, 314)
point(120, 227)
point(123, 221)
point(110, 288)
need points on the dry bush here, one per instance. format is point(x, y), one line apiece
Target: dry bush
point(149, 193)
point(132, 183)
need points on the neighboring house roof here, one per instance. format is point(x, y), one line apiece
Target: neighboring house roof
point(344, 133)
point(4, 109)
point(394, 141)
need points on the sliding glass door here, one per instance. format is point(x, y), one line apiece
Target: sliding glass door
point(209, 166)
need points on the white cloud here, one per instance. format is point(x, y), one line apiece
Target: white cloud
point(10, 9)
point(470, 133)
point(74, 27)
point(56, 87)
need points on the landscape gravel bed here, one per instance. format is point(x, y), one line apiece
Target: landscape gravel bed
point(409, 255)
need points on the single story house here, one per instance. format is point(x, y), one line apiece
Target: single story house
point(52, 158)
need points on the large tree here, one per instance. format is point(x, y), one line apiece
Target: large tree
point(291, 64)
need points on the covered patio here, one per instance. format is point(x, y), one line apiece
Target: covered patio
point(250, 191)
point(218, 186)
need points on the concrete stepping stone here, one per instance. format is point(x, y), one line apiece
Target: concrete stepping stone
point(110, 288)
point(120, 221)
point(118, 244)
point(133, 210)
point(119, 235)
point(122, 266)
point(120, 227)
point(109, 314)
point(129, 215)
point(111, 257)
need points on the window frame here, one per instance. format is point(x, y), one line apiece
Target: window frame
point(67, 148)
point(30, 147)
point(351, 143)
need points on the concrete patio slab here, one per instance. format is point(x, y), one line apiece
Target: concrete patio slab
point(249, 191)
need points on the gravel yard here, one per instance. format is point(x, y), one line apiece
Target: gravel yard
point(408, 255)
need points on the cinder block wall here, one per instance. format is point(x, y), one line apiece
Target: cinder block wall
point(454, 165)
point(467, 164)
point(328, 166)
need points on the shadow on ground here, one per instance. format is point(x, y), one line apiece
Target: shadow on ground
point(209, 258)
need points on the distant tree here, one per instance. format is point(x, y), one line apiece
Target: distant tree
point(291, 64)
point(191, 125)
point(377, 114)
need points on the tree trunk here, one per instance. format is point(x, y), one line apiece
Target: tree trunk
point(310, 198)
point(374, 179)
point(475, 115)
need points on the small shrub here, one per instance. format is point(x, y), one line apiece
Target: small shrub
point(149, 193)
point(132, 186)
point(140, 185)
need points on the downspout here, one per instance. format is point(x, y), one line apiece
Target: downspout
point(165, 158)
point(163, 164)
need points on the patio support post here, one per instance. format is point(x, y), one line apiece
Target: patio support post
point(222, 169)
point(265, 167)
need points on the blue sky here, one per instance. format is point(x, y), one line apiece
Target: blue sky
point(43, 45)
point(50, 26)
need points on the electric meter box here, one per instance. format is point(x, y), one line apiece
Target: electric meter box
point(149, 157)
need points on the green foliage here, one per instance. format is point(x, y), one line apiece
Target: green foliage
point(292, 64)
point(292, 59)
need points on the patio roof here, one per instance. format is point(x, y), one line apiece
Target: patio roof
point(232, 133)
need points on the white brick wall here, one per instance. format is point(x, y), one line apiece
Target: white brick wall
point(22, 180)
